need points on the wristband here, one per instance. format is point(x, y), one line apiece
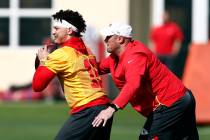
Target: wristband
point(114, 107)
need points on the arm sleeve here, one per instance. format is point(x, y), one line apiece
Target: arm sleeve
point(104, 66)
point(134, 71)
point(179, 35)
point(152, 34)
point(41, 78)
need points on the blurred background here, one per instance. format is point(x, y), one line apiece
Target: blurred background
point(25, 24)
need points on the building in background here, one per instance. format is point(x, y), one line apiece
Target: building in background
point(24, 24)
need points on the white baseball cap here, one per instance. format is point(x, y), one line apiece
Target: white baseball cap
point(117, 28)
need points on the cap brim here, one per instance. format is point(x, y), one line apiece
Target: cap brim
point(106, 32)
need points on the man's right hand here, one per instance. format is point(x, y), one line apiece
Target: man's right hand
point(103, 116)
point(42, 54)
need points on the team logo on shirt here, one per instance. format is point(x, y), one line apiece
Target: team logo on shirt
point(130, 61)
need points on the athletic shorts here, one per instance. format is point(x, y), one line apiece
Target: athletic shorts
point(79, 126)
point(176, 122)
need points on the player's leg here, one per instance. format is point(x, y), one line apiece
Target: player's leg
point(169, 123)
point(189, 123)
point(154, 125)
point(79, 126)
point(101, 133)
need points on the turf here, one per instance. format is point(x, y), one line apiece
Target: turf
point(41, 121)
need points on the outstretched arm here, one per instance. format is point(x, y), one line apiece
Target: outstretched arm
point(134, 71)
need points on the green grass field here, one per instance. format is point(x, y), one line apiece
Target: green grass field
point(41, 121)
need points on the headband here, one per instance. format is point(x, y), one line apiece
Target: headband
point(64, 24)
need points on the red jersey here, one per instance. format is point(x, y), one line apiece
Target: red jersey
point(142, 79)
point(165, 36)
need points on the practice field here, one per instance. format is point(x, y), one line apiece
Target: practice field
point(41, 121)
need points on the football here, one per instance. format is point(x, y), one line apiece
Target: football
point(51, 46)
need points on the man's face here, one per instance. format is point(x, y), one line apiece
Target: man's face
point(166, 17)
point(60, 34)
point(112, 44)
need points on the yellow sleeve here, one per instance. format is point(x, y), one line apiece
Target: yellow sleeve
point(59, 61)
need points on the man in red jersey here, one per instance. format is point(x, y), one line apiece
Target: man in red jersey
point(78, 75)
point(166, 41)
point(149, 86)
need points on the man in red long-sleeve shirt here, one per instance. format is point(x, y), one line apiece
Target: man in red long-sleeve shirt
point(149, 86)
